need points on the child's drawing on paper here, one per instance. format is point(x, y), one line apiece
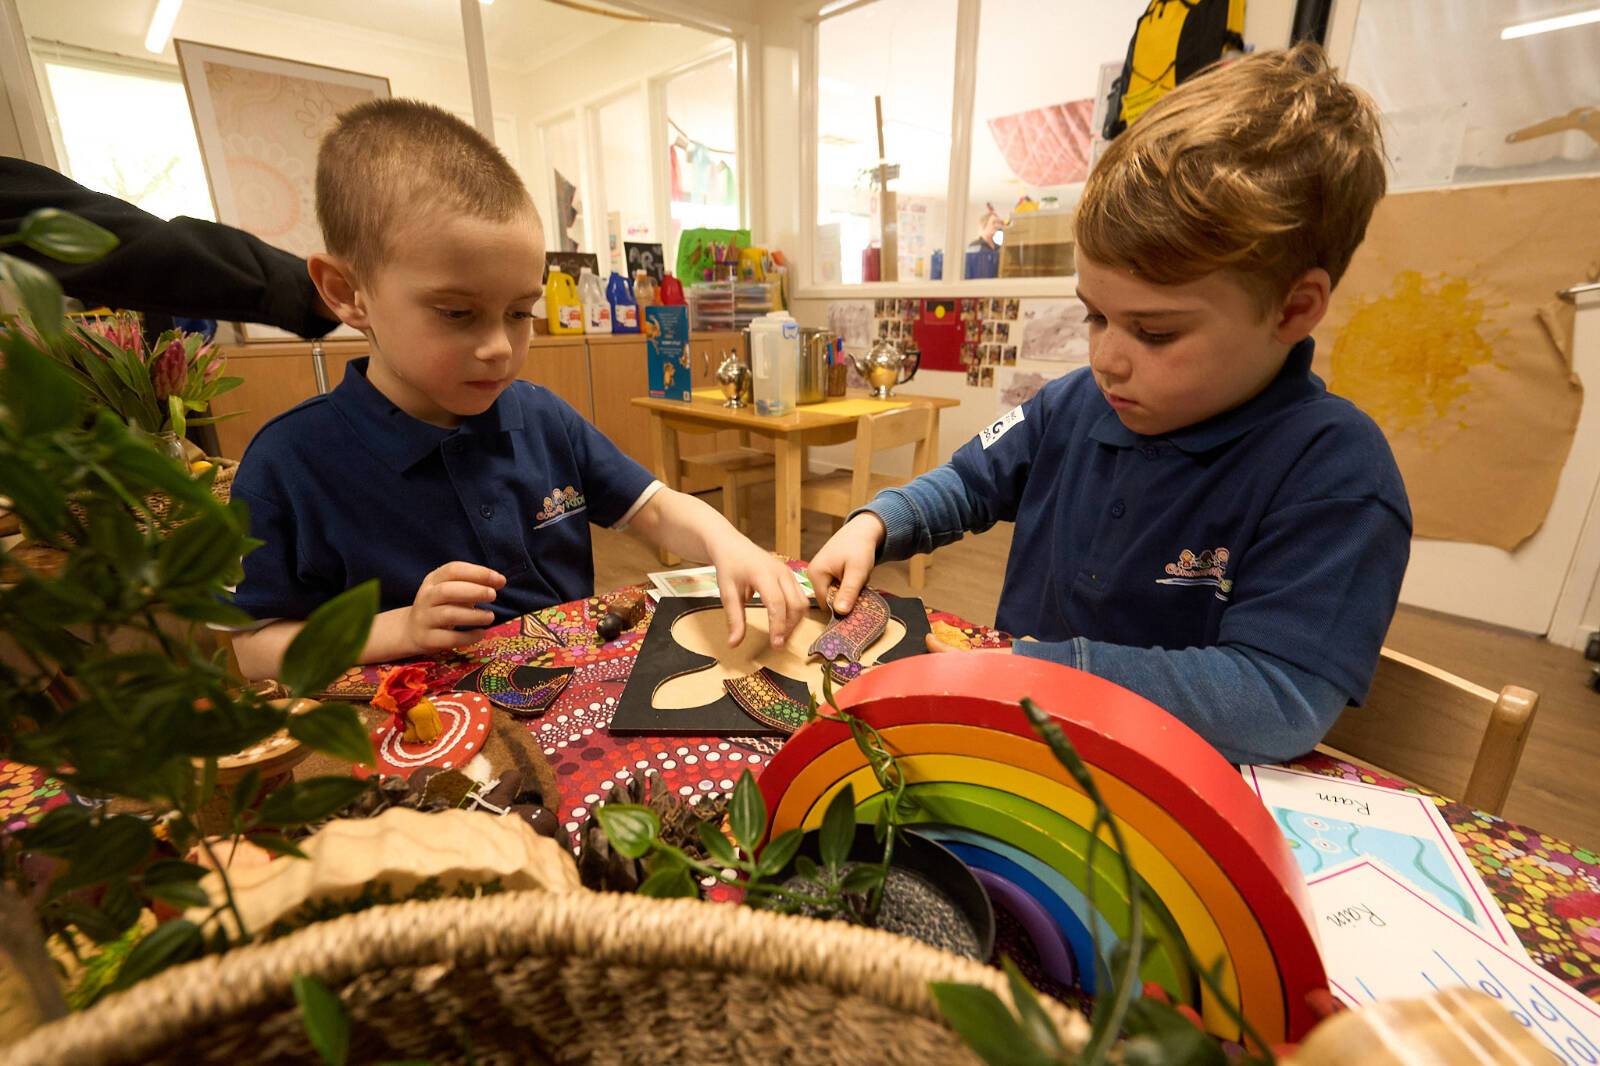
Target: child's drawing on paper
point(1320, 842)
point(1406, 357)
point(1054, 331)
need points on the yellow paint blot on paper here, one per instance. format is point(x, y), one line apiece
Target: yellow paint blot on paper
point(1405, 357)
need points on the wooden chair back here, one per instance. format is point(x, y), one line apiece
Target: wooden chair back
point(879, 433)
point(1439, 730)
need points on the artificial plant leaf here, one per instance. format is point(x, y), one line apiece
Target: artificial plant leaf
point(278, 845)
point(669, 883)
point(629, 827)
point(65, 236)
point(838, 829)
point(334, 729)
point(1157, 1034)
point(244, 794)
point(308, 801)
point(330, 640)
point(986, 1026)
point(862, 879)
point(178, 894)
point(747, 813)
point(1041, 1030)
point(717, 846)
point(170, 943)
point(806, 868)
point(779, 850)
point(57, 833)
point(198, 552)
point(326, 1020)
point(112, 847)
point(39, 295)
point(37, 392)
point(166, 871)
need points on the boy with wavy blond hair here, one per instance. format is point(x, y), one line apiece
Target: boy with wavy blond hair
point(433, 467)
point(1197, 518)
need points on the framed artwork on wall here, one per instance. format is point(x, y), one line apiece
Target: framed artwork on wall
point(259, 120)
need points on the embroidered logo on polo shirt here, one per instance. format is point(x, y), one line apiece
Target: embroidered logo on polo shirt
point(559, 504)
point(1204, 568)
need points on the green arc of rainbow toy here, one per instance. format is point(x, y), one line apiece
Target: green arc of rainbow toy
point(1201, 842)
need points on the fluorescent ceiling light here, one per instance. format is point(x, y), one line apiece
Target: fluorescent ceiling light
point(1559, 22)
point(155, 38)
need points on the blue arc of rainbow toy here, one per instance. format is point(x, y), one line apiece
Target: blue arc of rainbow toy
point(1215, 869)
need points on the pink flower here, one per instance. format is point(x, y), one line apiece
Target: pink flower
point(169, 371)
point(209, 357)
point(121, 330)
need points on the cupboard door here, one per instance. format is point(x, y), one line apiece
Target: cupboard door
point(564, 370)
point(272, 385)
point(619, 371)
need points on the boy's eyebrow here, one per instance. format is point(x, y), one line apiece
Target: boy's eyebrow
point(1165, 312)
point(532, 294)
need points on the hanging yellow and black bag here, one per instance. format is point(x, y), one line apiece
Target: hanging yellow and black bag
point(1174, 40)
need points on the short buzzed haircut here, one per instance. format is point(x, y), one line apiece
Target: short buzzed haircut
point(1267, 167)
point(387, 161)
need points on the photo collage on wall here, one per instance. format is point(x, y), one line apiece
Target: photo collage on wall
point(993, 331)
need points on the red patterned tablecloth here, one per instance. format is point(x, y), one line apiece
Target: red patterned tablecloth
point(1549, 889)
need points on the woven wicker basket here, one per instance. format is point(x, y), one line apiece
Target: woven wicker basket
point(559, 978)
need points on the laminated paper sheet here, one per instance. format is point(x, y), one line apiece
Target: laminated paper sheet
point(1436, 332)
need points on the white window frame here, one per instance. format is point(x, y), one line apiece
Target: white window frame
point(964, 91)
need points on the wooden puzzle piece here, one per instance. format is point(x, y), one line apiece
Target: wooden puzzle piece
point(525, 691)
point(848, 636)
point(760, 697)
point(705, 632)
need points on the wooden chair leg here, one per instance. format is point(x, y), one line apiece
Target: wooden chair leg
point(918, 566)
point(732, 502)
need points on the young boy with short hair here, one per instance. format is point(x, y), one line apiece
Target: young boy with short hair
point(465, 491)
point(1197, 518)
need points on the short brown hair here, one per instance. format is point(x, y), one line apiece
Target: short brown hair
point(387, 160)
point(1267, 166)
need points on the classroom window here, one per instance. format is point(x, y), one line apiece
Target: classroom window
point(565, 192)
point(128, 133)
point(702, 149)
point(883, 77)
point(1042, 69)
point(1498, 98)
point(624, 143)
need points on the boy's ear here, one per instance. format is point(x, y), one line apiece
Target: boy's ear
point(336, 284)
point(1304, 306)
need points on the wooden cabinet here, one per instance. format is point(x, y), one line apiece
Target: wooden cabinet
point(598, 376)
point(276, 377)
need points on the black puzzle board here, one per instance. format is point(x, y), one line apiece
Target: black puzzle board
point(661, 658)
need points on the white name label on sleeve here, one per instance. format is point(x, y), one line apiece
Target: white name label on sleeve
point(997, 429)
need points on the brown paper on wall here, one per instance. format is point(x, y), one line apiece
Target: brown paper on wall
point(1436, 332)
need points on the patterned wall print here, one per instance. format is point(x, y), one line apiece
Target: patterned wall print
point(259, 120)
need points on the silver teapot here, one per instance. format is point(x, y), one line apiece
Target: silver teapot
point(734, 379)
point(886, 366)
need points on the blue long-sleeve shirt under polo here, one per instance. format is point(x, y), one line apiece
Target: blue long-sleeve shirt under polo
point(347, 487)
point(1240, 572)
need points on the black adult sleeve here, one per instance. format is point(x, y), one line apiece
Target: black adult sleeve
point(185, 267)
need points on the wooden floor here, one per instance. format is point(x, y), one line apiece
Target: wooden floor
point(1557, 787)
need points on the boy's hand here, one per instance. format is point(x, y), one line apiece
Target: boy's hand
point(447, 598)
point(847, 561)
point(743, 568)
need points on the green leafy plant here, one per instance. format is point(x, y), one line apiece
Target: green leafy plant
point(152, 388)
point(105, 682)
point(833, 888)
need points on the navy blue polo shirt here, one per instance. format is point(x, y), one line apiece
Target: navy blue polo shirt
point(1280, 525)
point(347, 487)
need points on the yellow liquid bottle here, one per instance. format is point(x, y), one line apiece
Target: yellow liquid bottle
point(561, 303)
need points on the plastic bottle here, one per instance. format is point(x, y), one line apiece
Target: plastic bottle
point(671, 290)
point(624, 309)
point(596, 310)
point(645, 293)
point(775, 362)
point(561, 303)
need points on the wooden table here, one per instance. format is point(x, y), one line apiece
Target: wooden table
point(833, 422)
